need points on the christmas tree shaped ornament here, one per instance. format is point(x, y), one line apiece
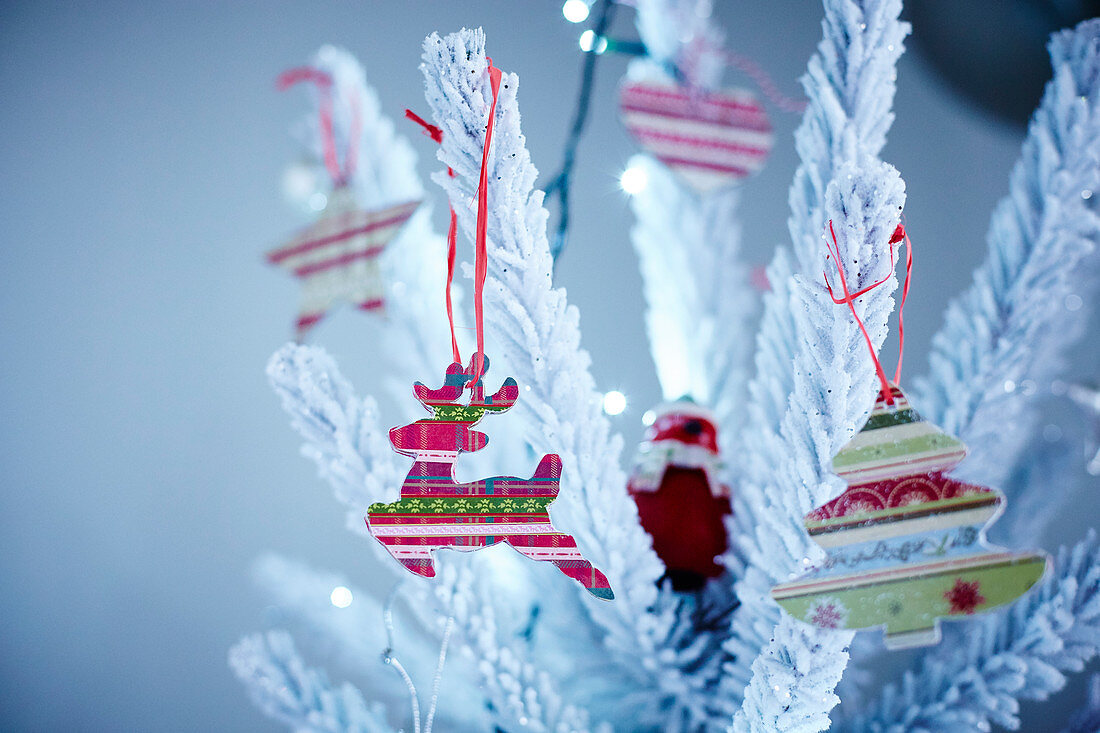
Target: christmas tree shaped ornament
point(436, 512)
point(336, 257)
point(905, 543)
point(681, 502)
point(710, 139)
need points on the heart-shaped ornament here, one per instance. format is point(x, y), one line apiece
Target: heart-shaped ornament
point(709, 139)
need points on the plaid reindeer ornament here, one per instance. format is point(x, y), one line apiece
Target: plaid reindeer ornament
point(436, 512)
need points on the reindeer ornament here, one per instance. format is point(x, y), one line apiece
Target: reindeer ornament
point(436, 512)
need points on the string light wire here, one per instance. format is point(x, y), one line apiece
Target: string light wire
point(559, 185)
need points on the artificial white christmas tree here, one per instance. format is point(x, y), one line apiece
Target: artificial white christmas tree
point(725, 657)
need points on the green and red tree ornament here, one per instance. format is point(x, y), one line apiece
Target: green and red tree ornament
point(337, 257)
point(681, 502)
point(905, 543)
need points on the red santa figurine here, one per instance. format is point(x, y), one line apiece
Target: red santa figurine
point(681, 502)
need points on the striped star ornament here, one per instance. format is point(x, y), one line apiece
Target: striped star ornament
point(337, 256)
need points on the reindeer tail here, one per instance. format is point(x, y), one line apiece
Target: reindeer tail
point(548, 473)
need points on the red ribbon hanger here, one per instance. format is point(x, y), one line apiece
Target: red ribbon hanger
point(481, 254)
point(849, 298)
point(323, 81)
point(436, 134)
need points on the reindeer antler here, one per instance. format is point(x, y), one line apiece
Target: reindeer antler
point(453, 383)
point(457, 379)
point(504, 397)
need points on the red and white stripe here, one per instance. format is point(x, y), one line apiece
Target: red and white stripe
point(710, 140)
point(460, 530)
point(423, 552)
point(337, 256)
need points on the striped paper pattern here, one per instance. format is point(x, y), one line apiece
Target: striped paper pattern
point(895, 441)
point(710, 140)
point(909, 538)
point(436, 512)
point(337, 257)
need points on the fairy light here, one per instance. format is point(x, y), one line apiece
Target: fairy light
point(589, 41)
point(575, 11)
point(649, 417)
point(340, 597)
point(594, 42)
point(558, 185)
point(614, 402)
point(300, 182)
point(634, 180)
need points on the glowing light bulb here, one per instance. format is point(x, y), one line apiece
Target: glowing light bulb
point(317, 201)
point(634, 179)
point(649, 417)
point(575, 11)
point(340, 597)
point(300, 181)
point(588, 42)
point(614, 402)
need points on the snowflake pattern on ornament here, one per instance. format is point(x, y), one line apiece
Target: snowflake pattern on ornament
point(964, 597)
point(827, 613)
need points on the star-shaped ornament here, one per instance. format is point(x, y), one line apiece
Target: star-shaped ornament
point(337, 256)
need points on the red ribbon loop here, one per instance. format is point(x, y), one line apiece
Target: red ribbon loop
point(900, 234)
point(481, 254)
point(324, 83)
point(436, 134)
point(849, 298)
point(430, 130)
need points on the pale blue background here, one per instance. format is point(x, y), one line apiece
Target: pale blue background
point(145, 461)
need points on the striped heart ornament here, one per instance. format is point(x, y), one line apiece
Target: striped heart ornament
point(710, 140)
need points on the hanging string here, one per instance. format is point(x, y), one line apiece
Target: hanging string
point(768, 87)
point(865, 290)
point(324, 84)
point(899, 235)
point(886, 394)
point(481, 252)
point(438, 679)
point(559, 184)
point(391, 660)
point(436, 134)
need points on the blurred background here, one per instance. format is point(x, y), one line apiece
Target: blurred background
point(145, 461)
